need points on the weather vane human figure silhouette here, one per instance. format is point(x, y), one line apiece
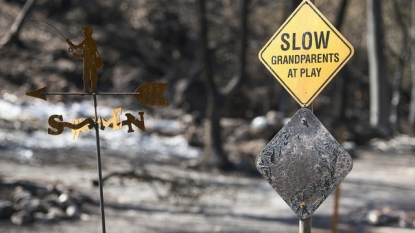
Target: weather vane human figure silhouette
point(91, 57)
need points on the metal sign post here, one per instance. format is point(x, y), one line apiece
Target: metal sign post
point(148, 94)
point(305, 225)
point(303, 162)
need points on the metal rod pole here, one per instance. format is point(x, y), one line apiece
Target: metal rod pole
point(305, 225)
point(101, 192)
point(83, 93)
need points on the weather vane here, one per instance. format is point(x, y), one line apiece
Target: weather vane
point(149, 94)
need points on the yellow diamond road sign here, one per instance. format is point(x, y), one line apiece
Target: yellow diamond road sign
point(306, 53)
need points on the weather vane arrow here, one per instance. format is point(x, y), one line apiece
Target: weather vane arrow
point(149, 94)
point(38, 93)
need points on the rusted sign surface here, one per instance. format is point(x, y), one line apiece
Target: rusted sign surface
point(304, 163)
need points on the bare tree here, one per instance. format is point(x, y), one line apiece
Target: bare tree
point(398, 75)
point(412, 105)
point(379, 87)
point(341, 84)
point(213, 151)
point(290, 6)
point(13, 36)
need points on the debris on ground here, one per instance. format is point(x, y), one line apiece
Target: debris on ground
point(390, 217)
point(24, 202)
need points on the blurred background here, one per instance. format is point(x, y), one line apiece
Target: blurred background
point(192, 170)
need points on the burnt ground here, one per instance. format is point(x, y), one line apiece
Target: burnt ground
point(168, 197)
point(206, 201)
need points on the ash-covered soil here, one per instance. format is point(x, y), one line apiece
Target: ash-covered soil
point(151, 190)
point(163, 196)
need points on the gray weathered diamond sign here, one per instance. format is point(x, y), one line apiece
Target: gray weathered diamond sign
point(304, 163)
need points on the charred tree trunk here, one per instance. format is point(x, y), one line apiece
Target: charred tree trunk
point(396, 89)
point(213, 143)
point(412, 105)
point(379, 87)
point(213, 152)
point(13, 36)
point(341, 83)
point(397, 79)
point(290, 6)
point(340, 15)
